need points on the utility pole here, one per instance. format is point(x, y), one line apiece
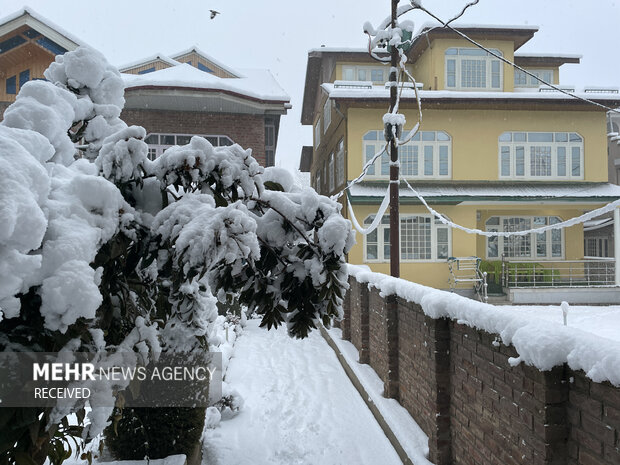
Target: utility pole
point(394, 183)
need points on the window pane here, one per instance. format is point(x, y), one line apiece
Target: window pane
point(169, 140)
point(371, 135)
point(442, 136)
point(472, 52)
point(540, 161)
point(505, 137)
point(493, 220)
point(409, 160)
point(519, 137)
point(153, 139)
point(442, 243)
point(428, 135)
point(520, 78)
point(428, 160)
point(451, 73)
point(24, 77)
point(541, 244)
point(361, 74)
point(540, 137)
point(376, 75)
point(473, 73)
point(517, 246)
point(385, 164)
point(348, 74)
point(371, 252)
point(520, 161)
point(11, 85)
point(372, 236)
point(183, 140)
point(370, 152)
point(505, 161)
point(561, 161)
point(561, 137)
point(576, 161)
point(443, 160)
point(415, 238)
point(451, 51)
point(495, 74)
point(492, 249)
point(575, 137)
point(386, 243)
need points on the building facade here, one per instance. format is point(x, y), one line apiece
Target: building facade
point(497, 151)
point(173, 97)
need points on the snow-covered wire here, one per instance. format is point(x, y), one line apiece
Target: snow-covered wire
point(378, 216)
point(564, 224)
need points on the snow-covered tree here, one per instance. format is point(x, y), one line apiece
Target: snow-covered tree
point(102, 249)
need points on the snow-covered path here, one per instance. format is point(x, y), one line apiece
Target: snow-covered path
point(300, 407)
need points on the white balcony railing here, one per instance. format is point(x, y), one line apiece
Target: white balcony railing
point(590, 272)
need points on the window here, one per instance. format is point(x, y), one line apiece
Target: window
point(317, 181)
point(331, 172)
point(24, 77)
point(317, 133)
point(473, 68)
point(427, 155)
point(547, 245)
point(421, 238)
point(596, 246)
point(270, 141)
point(159, 142)
point(340, 163)
point(525, 80)
point(148, 70)
point(375, 74)
point(327, 114)
point(203, 67)
point(11, 85)
point(548, 155)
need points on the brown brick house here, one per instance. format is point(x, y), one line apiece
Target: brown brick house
point(172, 97)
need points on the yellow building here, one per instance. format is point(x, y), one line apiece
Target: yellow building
point(496, 151)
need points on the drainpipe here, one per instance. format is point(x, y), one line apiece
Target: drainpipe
point(617, 243)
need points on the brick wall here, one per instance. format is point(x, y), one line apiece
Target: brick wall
point(594, 418)
point(457, 384)
point(246, 130)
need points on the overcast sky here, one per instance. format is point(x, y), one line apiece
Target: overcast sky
point(277, 34)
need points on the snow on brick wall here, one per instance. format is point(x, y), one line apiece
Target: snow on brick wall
point(461, 385)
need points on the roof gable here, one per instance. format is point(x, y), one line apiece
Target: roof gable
point(26, 23)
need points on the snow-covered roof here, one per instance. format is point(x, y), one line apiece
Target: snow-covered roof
point(195, 49)
point(500, 191)
point(547, 55)
point(44, 26)
point(599, 223)
point(149, 59)
point(525, 27)
point(380, 92)
point(256, 83)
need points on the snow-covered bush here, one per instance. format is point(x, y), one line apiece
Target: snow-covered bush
point(103, 250)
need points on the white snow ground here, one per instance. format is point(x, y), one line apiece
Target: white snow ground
point(300, 407)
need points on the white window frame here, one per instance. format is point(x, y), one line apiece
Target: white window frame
point(156, 149)
point(459, 55)
point(534, 221)
point(327, 115)
point(365, 73)
point(317, 133)
point(600, 248)
point(382, 232)
point(512, 148)
point(331, 172)
point(436, 145)
point(544, 74)
point(340, 163)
